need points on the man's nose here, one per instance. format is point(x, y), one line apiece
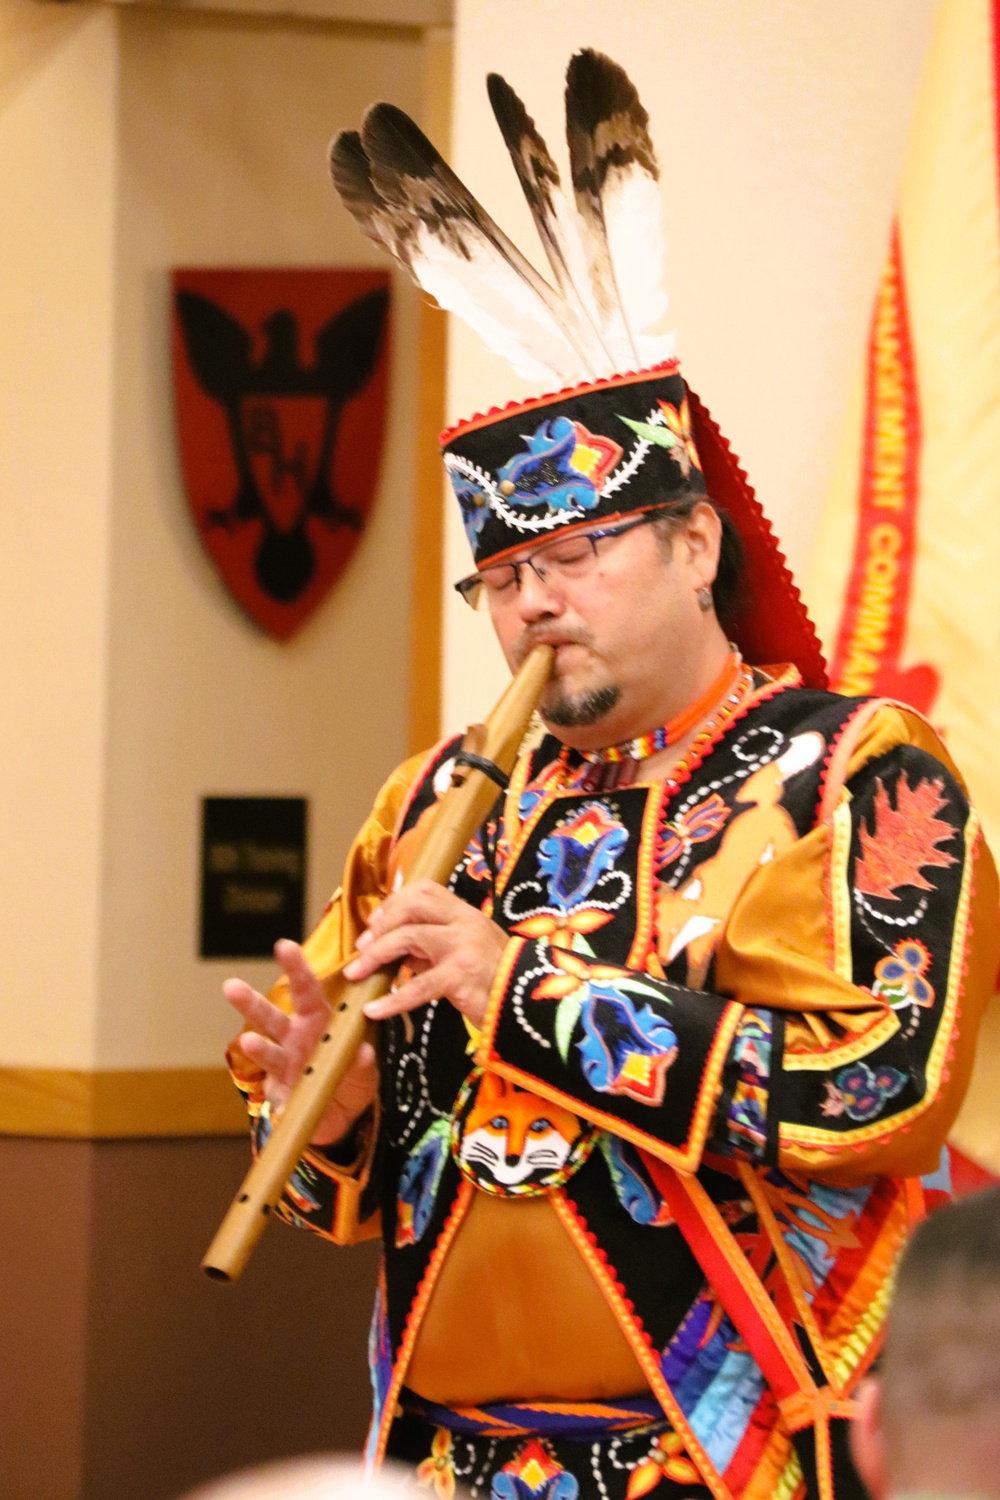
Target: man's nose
point(536, 598)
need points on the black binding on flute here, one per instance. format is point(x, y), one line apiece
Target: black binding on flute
point(480, 763)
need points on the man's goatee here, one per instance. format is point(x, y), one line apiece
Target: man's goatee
point(570, 712)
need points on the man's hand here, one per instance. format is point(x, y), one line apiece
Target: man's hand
point(283, 1044)
point(451, 949)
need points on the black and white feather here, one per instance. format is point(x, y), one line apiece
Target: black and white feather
point(405, 195)
point(555, 218)
point(616, 186)
point(606, 252)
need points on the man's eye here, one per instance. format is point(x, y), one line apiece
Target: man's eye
point(499, 583)
point(565, 557)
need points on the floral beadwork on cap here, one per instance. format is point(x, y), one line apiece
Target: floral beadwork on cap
point(673, 432)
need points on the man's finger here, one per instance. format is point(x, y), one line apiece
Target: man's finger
point(391, 947)
point(365, 1059)
point(238, 992)
point(261, 1016)
point(260, 1049)
point(408, 997)
point(423, 902)
point(305, 989)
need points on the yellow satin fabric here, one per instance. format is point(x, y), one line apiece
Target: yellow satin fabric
point(516, 1315)
point(776, 951)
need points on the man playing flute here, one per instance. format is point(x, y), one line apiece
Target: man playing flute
point(666, 1060)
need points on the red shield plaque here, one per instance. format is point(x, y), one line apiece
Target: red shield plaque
point(280, 380)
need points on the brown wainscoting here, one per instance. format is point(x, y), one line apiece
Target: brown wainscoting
point(75, 1105)
point(126, 1372)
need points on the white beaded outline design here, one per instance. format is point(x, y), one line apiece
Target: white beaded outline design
point(455, 463)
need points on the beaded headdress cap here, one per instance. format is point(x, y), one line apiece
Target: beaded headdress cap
point(622, 432)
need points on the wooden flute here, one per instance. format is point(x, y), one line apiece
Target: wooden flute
point(457, 817)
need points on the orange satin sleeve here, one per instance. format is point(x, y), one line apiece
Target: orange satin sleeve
point(786, 946)
point(365, 883)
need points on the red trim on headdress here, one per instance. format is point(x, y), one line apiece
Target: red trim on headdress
point(772, 623)
point(532, 403)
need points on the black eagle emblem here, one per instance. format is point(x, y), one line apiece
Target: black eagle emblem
point(283, 419)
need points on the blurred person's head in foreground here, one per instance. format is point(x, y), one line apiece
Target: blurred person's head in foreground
point(929, 1422)
point(316, 1477)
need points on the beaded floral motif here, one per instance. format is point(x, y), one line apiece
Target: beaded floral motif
point(625, 1049)
point(673, 431)
point(564, 468)
point(861, 1092)
point(534, 1474)
point(665, 1460)
point(438, 1471)
point(696, 825)
point(577, 860)
point(633, 1186)
point(419, 1183)
point(900, 976)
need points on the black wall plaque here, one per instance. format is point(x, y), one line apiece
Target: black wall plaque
point(253, 869)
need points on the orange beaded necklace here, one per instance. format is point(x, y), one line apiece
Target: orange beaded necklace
point(617, 765)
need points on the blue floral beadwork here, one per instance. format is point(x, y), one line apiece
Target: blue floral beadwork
point(861, 1092)
point(545, 475)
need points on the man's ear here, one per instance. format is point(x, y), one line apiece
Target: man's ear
point(868, 1439)
point(702, 532)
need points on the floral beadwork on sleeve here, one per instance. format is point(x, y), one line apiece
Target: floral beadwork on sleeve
point(861, 1092)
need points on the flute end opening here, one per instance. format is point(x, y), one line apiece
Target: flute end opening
point(216, 1273)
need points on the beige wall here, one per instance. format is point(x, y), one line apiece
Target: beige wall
point(199, 700)
point(57, 70)
point(780, 126)
point(133, 140)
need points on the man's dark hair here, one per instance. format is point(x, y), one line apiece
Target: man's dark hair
point(727, 588)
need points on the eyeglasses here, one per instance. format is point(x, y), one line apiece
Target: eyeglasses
point(569, 557)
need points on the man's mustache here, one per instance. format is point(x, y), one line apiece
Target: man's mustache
point(550, 635)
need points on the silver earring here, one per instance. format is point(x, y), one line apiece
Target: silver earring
point(704, 597)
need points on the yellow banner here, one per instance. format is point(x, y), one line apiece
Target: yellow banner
point(906, 585)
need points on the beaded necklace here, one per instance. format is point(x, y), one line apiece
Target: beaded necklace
point(617, 765)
